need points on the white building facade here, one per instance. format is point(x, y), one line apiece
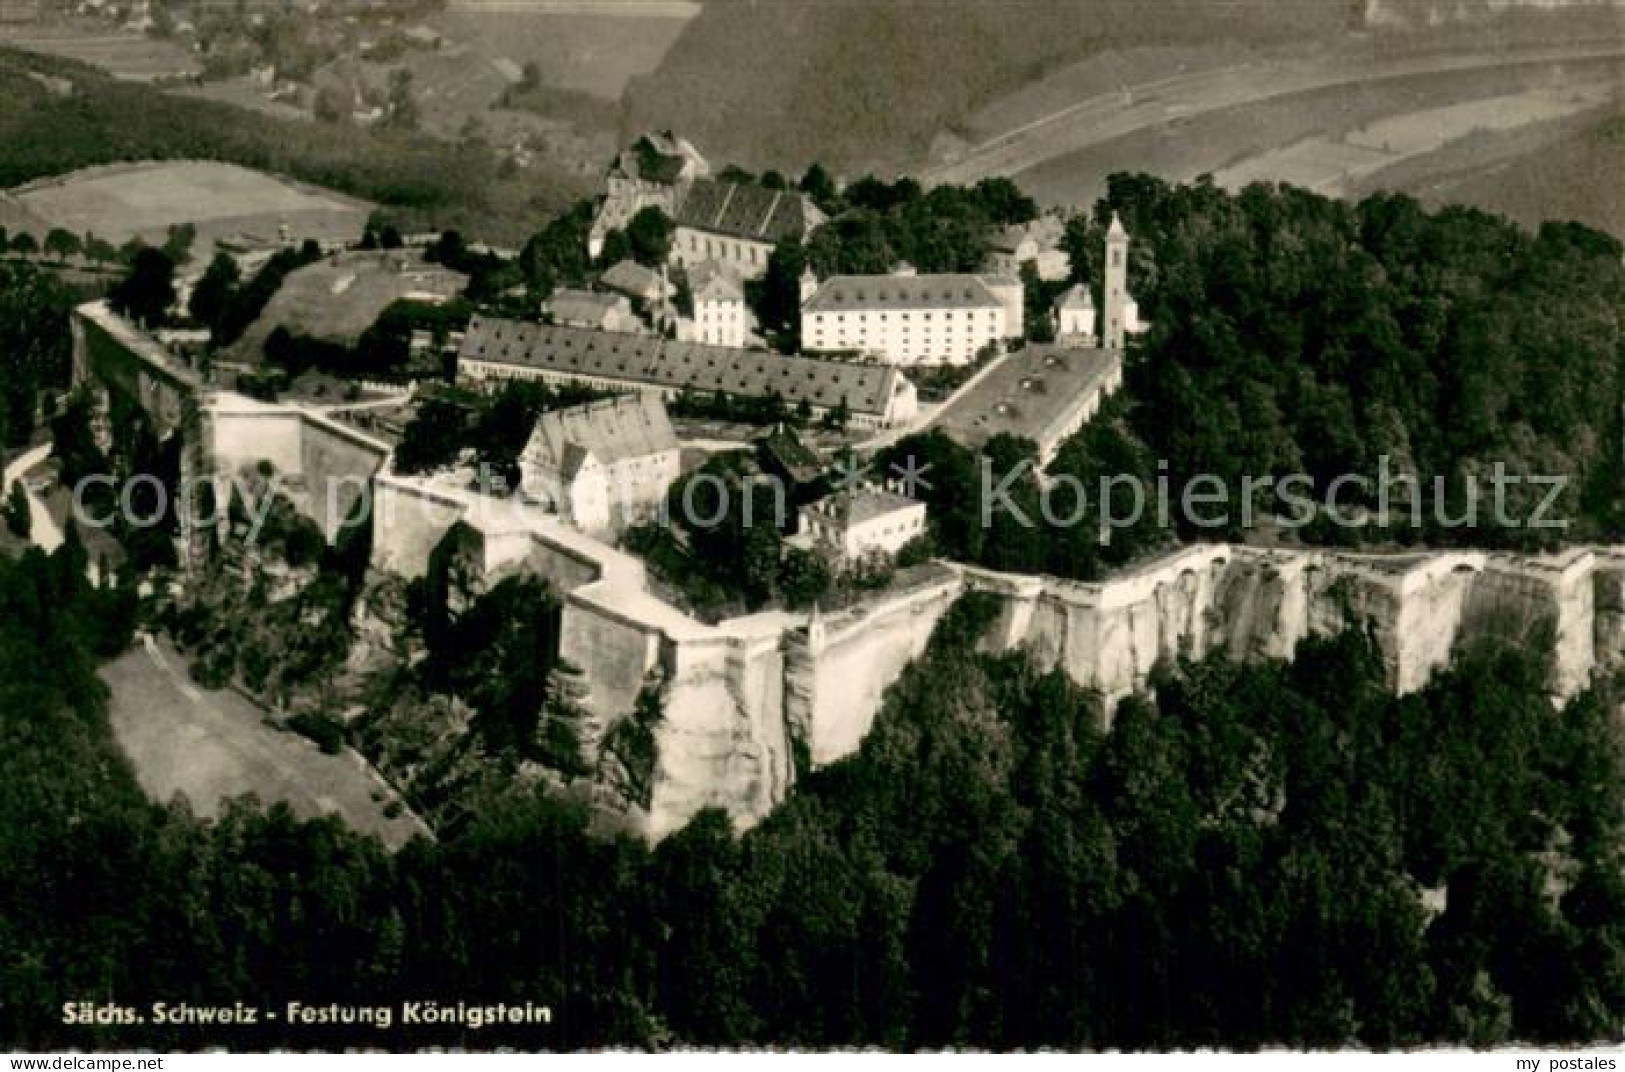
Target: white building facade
point(720, 316)
point(604, 464)
point(907, 319)
point(864, 521)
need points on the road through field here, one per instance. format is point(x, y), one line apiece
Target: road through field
point(1181, 97)
point(212, 746)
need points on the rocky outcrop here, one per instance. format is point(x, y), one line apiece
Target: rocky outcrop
point(1252, 603)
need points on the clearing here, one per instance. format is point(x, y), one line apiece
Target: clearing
point(224, 201)
point(338, 298)
point(213, 746)
point(124, 54)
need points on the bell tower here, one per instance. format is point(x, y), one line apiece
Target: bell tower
point(1116, 286)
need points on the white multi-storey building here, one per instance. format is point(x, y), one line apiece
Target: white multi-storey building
point(909, 319)
point(720, 317)
point(863, 520)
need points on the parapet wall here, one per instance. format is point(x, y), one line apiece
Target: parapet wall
point(1252, 603)
point(328, 466)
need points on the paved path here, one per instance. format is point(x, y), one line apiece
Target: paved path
point(1108, 116)
point(212, 746)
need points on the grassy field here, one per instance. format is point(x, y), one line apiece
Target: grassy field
point(212, 746)
point(124, 54)
point(120, 201)
point(339, 298)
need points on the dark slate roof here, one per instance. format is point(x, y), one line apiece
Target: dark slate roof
point(744, 211)
point(797, 460)
point(944, 291)
point(656, 361)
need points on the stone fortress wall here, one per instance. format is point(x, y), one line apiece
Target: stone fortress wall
point(741, 699)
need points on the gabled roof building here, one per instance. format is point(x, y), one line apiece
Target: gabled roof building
point(604, 464)
point(499, 349)
point(736, 225)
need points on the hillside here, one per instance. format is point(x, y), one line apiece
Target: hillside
point(866, 84)
point(1570, 174)
point(99, 121)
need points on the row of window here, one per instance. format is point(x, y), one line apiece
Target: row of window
point(863, 318)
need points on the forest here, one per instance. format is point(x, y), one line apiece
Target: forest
point(1295, 334)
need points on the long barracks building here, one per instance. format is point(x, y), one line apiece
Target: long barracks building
point(876, 396)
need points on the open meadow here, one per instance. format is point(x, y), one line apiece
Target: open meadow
point(122, 201)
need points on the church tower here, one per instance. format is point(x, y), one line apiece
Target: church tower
point(1116, 288)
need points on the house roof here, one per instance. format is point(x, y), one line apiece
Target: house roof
point(746, 211)
point(1076, 297)
point(859, 292)
point(866, 503)
point(630, 277)
point(584, 305)
point(611, 430)
point(654, 361)
point(713, 284)
point(794, 457)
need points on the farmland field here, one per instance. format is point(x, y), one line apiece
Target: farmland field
point(123, 54)
point(1335, 165)
point(1568, 170)
point(121, 201)
point(577, 46)
point(1180, 148)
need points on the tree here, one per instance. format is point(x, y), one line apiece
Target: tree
point(432, 438)
point(178, 243)
point(817, 184)
point(778, 297)
point(649, 235)
point(402, 108)
point(215, 290)
point(147, 292)
point(24, 244)
point(18, 518)
point(62, 244)
point(100, 250)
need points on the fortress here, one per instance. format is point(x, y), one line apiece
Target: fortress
point(749, 702)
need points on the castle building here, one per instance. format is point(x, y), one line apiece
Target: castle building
point(654, 172)
point(736, 225)
point(910, 319)
point(863, 520)
point(604, 464)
